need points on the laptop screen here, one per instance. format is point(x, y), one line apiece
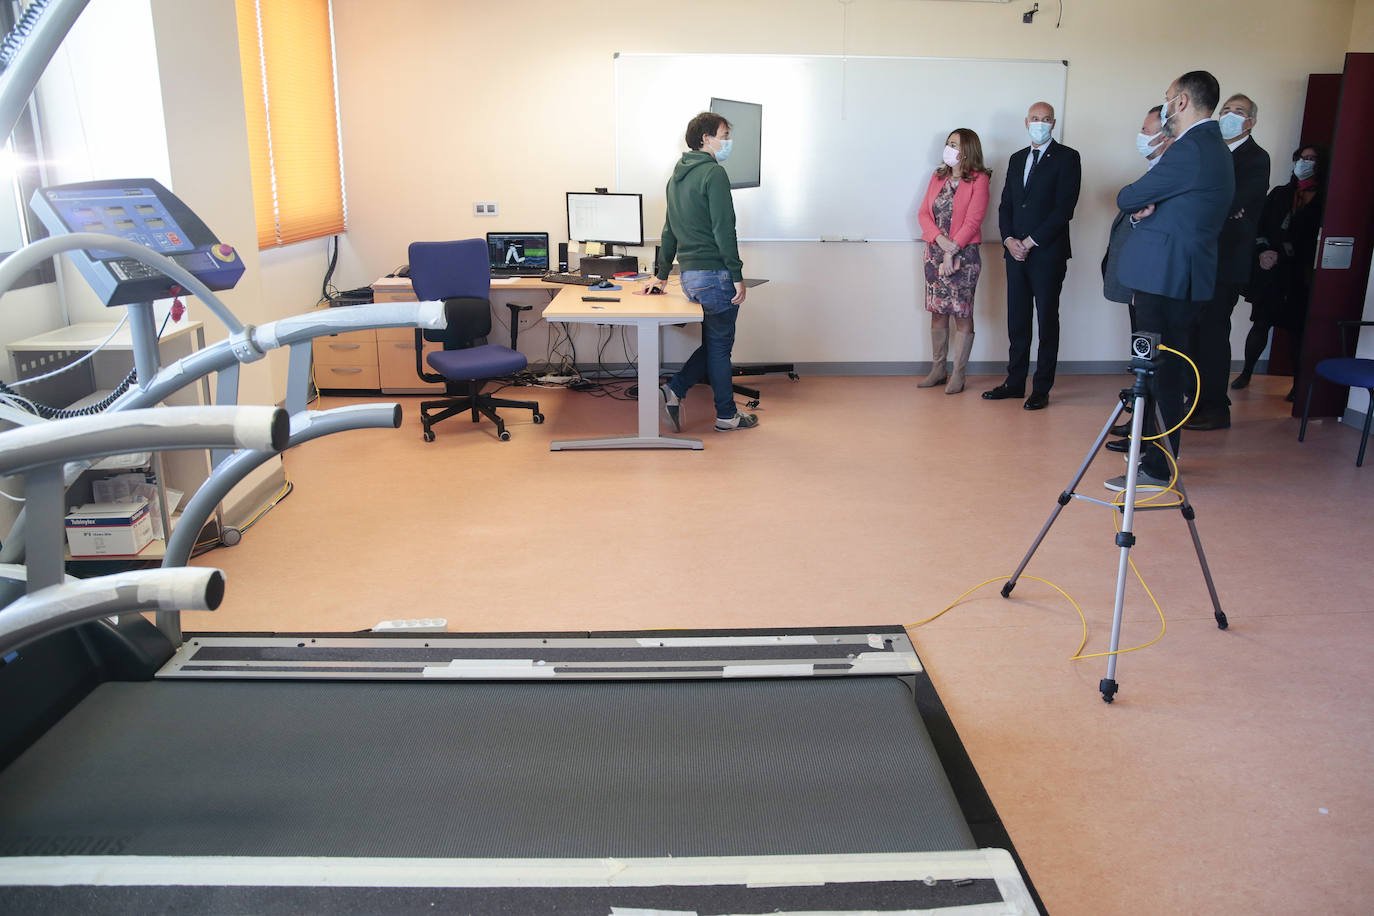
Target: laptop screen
point(526, 252)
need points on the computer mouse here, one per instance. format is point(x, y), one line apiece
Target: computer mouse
point(654, 291)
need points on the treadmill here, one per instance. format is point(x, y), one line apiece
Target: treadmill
point(147, 770)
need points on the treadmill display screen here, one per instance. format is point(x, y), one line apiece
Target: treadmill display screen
point(133, 213)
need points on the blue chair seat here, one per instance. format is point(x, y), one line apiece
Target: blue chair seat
point(1352, 373)
point(484, 362)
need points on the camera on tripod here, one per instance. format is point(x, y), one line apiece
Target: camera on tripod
point(1144, 349)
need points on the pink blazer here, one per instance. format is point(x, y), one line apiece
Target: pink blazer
point(970, 206)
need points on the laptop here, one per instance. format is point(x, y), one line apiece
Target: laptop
point(518, 254)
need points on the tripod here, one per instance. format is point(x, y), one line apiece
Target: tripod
point(1143, 365)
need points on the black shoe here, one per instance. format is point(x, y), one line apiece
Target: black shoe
point(1209, 419)
point(1121, 429)
point(1002, 392)
point(1290, 397)
point(1038, 400)
point(1240, 381)
point(1119, 445)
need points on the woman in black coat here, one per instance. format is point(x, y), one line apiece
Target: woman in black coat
point(1285, 249)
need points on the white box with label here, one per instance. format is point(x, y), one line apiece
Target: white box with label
point(109, 529)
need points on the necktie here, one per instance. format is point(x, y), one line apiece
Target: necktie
point(1035, 160)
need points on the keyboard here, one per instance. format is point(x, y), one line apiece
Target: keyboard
point(574, 279)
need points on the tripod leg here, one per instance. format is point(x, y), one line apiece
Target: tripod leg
point(1064, 498)
point(1188, 514)
point(1125, 539)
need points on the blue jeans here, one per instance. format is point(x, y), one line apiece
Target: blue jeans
point(713, 290)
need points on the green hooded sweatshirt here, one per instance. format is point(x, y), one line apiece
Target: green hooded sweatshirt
point(700, 228)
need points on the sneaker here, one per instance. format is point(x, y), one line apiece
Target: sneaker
point(1143, 481)
point(738, 421)
point(671, 405)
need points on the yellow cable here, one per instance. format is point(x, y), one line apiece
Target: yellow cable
point(1191, 407)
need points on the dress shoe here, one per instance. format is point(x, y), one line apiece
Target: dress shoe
point(1038, 400)
point(1119, 445)
point(1002, 392)
point(1209, 419)
point(1121, 429)
point(1240, 381)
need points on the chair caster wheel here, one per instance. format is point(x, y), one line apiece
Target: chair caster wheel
point(538, 418)
point(751, 404)
point(429, 435)
point(504, 435)
point(794, 376)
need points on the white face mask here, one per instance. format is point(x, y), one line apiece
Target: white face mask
point(1232, 125)
point(1304, 169)
point(1039, 131)
point(950, 157)
point(1164, 116)
point(1143, 141)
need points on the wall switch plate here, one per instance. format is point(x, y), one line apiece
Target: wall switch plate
point(484, 208)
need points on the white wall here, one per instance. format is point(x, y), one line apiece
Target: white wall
point(430, 126)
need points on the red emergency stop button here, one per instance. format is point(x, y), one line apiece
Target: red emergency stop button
point(223, 252)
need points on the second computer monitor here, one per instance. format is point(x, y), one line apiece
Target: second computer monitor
point(615, 219)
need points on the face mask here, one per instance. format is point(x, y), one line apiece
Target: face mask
point(1304, 169)
point(1143, 141)
point(950, 157)
point(1039, 132)
point(724, 152)
point(1164, 117)
point(1231, 125)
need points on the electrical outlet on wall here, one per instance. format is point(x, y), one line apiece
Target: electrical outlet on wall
point(484, 208)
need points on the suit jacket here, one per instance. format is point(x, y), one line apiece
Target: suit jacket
point(1112, 287)
point(1042, 209)
point(1173, 252)
point(1235, 246)
point(970, 206)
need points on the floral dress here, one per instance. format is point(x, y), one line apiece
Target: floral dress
point(952, 295)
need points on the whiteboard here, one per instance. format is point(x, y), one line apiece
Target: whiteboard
point(848, 142)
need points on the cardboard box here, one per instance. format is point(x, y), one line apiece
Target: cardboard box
point(110, 529)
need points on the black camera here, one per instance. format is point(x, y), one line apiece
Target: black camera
point(1144, 348)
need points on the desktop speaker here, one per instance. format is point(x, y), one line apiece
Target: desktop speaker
point(609, 266)
point(562, 257)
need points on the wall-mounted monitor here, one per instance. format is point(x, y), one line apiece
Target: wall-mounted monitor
point(614, 219)
point(745, 165)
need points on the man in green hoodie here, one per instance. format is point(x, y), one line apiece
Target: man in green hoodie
point(700, 231)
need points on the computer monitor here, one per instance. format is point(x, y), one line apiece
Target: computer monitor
point(614, 219)
point(745, 165)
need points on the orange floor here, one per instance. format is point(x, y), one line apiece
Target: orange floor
point(1232, 774)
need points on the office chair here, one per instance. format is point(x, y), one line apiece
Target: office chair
point(458, 274)
point(1350, 372)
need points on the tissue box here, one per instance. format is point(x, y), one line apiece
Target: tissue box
point(109, 529)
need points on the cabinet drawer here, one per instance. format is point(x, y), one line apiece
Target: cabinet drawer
point(393, 294)
point(396, 362)
point(347, 377)
point(356, 348)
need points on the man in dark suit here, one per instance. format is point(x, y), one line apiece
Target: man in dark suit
point(1235, 254)
point(1170, 259)
point(1037, 203)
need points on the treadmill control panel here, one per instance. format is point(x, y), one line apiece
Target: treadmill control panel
point(138, 210)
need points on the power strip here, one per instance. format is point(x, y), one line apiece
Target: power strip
point(556, 379)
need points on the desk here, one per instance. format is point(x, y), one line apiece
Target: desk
point(647, 314)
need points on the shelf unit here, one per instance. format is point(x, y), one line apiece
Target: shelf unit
point(92, 382)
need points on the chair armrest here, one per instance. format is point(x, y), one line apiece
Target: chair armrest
point(420, 359)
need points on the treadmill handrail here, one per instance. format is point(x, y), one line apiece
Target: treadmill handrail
point(57, 607)
point(152, 429)
point(34, 253)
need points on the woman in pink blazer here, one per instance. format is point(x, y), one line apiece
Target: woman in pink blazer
point(951, 218)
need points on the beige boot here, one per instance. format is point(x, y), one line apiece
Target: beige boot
point(939, 345)
point(963, 346)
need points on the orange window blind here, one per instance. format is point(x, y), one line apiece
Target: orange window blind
point(287, 54)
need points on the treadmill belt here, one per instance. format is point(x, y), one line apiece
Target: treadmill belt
point(472, 770)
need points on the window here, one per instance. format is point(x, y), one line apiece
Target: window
point(287, 55)
point(19, 178)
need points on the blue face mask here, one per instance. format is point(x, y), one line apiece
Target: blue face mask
point(1231, 125)
point(1039, 131)
point(1304, 169)
point(724, 152)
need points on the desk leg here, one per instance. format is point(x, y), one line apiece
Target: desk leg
point(647, 408)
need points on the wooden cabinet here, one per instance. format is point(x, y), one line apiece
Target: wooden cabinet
point(381, 359)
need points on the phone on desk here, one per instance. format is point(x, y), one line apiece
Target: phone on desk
point(402, 271)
